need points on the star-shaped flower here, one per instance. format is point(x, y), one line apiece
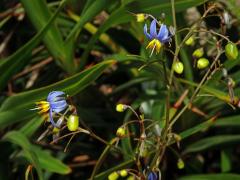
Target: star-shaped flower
point(157, 39)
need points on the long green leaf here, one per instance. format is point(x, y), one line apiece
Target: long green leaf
point(50, 163)
point(229, 121)
point(39, 13)
point(16, 61)
point(16, 108)
point(212, 142)
point(156, 7)
point(211, 177)
point(86, 16)
point(21, 140)
point(29, 128)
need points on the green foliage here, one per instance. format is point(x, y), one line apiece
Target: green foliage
point(172, 106)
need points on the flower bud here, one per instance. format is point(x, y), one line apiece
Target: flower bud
point(198, 53)
point(121, 107)
point(180, 164)
point(178, 67)
point(113, 176)
point(55, 130)
point(140, 17)
point(123, 173)
point(73, 122)
point(231, 51)
point(202, 63)
point(190, 41)
point(121, 132)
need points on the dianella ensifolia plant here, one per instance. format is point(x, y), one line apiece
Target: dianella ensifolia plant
point(153, 139)
point(146, 135)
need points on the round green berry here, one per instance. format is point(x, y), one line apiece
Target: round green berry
point(231, 51)
point(198, 53)
point(178, 67)
point(202, 63)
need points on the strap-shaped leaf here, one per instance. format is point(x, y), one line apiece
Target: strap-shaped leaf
point(16, 108)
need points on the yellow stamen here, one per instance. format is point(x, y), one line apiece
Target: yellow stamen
point(43, 106)
point(154, 44)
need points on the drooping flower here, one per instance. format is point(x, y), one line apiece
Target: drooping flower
point(56, 102)
point(157, 39)
point(153, 176)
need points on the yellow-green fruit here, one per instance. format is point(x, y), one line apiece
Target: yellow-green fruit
point(178, 67)
point(121, 132)
point(231, 51)
point(140, 17)
point(198, 53)
point(113, 176)
point(202, 63)
point(131, 178)
point(180, 164)
point(123, 173)
point(190, 41)
point(73, 122)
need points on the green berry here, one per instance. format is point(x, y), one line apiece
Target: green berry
point(73, 122)
point(198, 53)
point(178, 67)
point(190, 41)
point(113, 176)
point(202, 63)
point(123, 173)
point(180, 164)
point(231, 51)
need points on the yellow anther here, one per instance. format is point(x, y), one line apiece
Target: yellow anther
point(154, 44)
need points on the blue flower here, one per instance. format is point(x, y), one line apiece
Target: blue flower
point(152, 176)
point(56, 102)
point(157, 39)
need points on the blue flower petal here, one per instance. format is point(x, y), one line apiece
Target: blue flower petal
point(146, 33)
point(163, 32)
point(59, 106)
point(153, 29)
point(51, 119)
point(168, 39)
point(52, 95)
point(152, 176)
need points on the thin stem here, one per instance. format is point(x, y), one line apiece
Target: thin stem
point(204, 79)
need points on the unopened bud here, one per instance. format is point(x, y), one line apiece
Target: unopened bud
point(140, 17)
point(121, 107)
point(121, 132)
